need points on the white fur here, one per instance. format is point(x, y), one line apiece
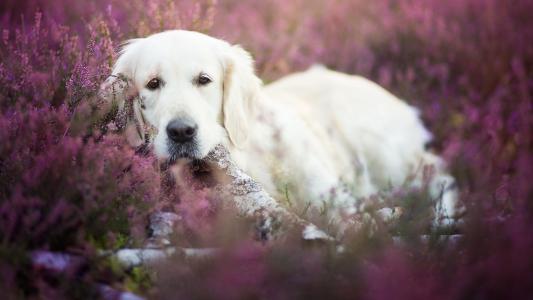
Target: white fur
point(328, 137)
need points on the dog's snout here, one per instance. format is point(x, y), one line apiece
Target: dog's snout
point(181, 130)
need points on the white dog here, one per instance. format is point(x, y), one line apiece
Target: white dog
point(329, 138)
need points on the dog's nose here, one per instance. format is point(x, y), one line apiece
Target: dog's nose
point(181, 130)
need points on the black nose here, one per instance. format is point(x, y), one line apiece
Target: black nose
point(181, 130)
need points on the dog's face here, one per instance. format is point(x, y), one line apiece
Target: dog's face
point(196, 91)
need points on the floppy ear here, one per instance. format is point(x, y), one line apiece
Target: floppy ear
point(241, 88)
point(119, 92)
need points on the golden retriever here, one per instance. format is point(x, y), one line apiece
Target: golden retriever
point(327, 138)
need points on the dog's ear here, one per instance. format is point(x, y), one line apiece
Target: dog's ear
point(119, 85)
point(241, 88)
point(119, 93)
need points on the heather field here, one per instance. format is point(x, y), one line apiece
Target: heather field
point(71, 184)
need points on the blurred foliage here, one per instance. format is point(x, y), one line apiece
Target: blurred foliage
point(68, 184)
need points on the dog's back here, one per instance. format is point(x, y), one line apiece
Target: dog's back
point(359, 114)
point(363, 121)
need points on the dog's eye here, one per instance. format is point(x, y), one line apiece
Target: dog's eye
point(153, 84)
point(203, 79)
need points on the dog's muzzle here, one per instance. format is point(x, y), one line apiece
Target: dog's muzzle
point(182, 142)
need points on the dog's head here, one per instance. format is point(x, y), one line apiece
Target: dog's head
point(195, 90)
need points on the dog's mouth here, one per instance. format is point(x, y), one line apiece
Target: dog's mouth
point(189, 150)
point(193, 172)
